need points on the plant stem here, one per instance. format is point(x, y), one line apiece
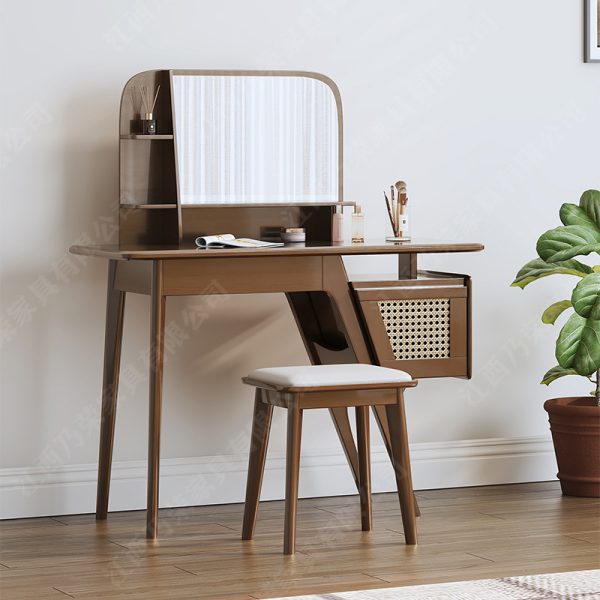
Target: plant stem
point(598, 387)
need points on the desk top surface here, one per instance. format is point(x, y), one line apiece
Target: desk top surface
point(141, 252)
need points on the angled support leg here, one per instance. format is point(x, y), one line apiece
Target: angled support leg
point(335, 283)
point(364, 467)
point(261, 426)
point(401, 463)
point(312, 324)
point(115, 307)
point(382, 422)
point(157, 343)
point(316, 320)
point(294, 434)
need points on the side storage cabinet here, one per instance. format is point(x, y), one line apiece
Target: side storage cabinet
point(421, 326)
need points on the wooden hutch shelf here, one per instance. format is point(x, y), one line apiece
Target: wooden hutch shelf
point(154, 136)
point(148, 206)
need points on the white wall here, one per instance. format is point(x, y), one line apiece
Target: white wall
point(484, 107)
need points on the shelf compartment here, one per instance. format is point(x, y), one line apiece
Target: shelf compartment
point(147, 174)
point(263, 222)
point(148, 227)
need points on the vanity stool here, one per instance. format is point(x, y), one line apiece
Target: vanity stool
point(328, 386)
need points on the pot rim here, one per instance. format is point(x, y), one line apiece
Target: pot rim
point(566, 406)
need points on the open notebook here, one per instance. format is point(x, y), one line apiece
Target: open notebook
point(227, 240)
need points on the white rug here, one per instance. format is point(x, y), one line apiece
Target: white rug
point(576, 585)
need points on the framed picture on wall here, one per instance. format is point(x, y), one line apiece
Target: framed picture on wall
point(592, 30)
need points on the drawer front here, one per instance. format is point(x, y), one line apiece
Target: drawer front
point(423, 330)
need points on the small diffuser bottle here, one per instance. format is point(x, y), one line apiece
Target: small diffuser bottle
point(147, 110)
point(358, 226)
point(337, 225)
point(148, 124)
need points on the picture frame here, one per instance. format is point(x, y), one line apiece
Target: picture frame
point(592, 30)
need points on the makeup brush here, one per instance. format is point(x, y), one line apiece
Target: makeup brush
point(401, 189)
point(402, 201)
point(389, 210)
point(394, 208)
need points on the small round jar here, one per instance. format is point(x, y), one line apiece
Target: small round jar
point(293, 235)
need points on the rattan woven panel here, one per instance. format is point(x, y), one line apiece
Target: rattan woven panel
point(418, 329)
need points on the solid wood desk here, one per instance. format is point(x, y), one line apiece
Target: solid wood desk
point(315, 282)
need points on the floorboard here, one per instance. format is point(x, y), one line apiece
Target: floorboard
point(467, 533)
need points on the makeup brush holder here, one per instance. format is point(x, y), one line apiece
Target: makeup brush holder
point(403, 230)
point(397, 208)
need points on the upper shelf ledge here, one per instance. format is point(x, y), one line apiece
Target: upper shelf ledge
point(153, 136)
point(265, 204)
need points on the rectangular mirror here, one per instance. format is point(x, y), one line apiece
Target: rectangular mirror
point(256, 138)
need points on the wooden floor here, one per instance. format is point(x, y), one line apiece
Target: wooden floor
point(467, 533)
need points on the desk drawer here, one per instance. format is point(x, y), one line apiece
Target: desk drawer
point(421, 326)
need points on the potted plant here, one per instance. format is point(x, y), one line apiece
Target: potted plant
point(574, 421)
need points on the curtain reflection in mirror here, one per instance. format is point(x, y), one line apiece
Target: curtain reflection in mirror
point(255, 139)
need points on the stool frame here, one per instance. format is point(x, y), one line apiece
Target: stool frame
point(296, 400)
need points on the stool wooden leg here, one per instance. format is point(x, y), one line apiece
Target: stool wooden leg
point(401, 463)
point(364, 466)
point(294, 433)
point(115, 306)
point(261, 426)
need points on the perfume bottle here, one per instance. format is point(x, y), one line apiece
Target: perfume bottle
point(148, 124)
point(358, 226)
point(337, 225)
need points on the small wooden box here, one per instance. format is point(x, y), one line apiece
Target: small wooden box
point(421, 326)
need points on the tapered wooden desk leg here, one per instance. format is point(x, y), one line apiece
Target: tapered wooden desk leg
point(294, 434)
point(364, 466)
point(261, 426)
point(157, 341)
point(115, 306)
point(401, 463)
point(382, 422)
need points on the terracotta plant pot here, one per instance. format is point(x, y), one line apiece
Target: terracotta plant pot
point(575, 427)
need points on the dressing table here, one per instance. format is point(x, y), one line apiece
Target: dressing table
point(250, 152)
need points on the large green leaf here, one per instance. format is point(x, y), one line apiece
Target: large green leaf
point(555, 373)
point(590, 203)
point(586, 297)
point(554, 311)
point(537, 268)
point(567, 242)
point(571, 214)
point(578, 345)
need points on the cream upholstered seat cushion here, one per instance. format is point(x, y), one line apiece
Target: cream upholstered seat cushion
point(328, 375)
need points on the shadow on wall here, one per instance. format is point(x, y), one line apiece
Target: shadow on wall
point(206, 396)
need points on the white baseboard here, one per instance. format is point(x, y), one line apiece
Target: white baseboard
point(71, 489)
